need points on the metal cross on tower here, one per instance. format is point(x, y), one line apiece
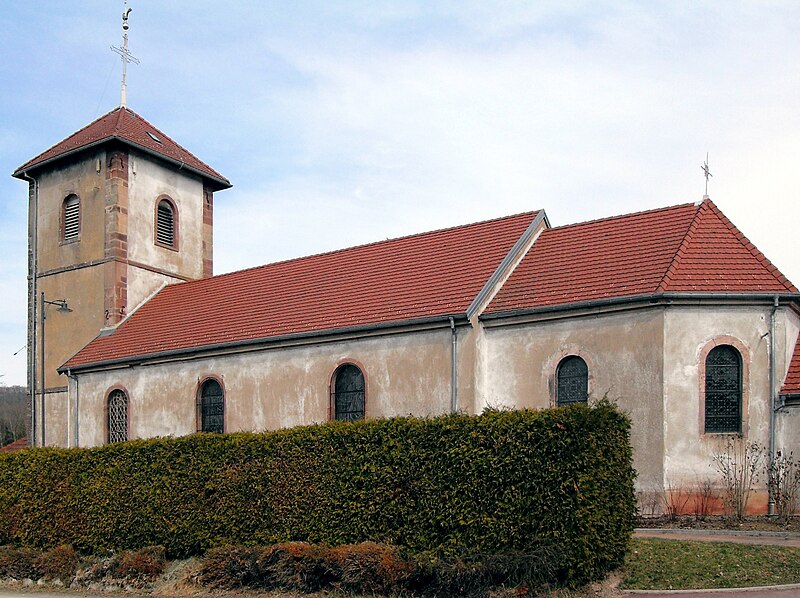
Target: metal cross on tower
point(125, 53)
point(706, 173)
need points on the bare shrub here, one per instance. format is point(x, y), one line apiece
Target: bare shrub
point(784, 483)
point(704, 498)
point(649, 503)
point(369, 567)
point(19, 563)
point(675, 500)
point(144, 564)
point(60, 562)
point(739, 464)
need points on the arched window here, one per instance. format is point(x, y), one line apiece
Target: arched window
point(723, 401)
point(166, 224)
point(572, 381)
point(211, 407)
point(348, 393)
point(71, 219)
point(117, 418)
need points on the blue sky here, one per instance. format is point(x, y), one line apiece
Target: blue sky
point(349, 122)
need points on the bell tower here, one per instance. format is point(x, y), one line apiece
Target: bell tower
point(116, 211)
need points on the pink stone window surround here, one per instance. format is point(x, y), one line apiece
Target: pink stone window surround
point(745, 360)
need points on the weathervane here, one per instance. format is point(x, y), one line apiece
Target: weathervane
point(706, 173)
point(125, 53)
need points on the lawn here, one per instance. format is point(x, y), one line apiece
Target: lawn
point(655, 564)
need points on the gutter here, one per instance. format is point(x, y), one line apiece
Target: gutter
point(653, 298)
point(257, 343)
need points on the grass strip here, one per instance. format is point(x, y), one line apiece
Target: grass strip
point(656, 564)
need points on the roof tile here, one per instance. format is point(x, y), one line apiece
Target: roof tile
point(127, 126)
point(426, 275)
point(791, 384)
point(685, 248)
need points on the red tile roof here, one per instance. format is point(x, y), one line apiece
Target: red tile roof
point(125, 125)
point(434, 274)
point(17, 445)
point(685, 248)
point(791, 384)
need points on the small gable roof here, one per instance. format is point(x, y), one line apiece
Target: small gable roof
point(125, 126)
point(425, 276)
point(689, 248)
point(791, 384)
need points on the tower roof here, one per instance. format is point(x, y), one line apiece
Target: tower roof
point(125, 126)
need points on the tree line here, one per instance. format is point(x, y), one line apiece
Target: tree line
point(13, 413)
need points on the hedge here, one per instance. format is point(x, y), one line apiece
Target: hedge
point(504, 480)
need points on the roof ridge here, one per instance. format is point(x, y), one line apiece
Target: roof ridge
point(620, 216)
point(754, 251)
point(676, 259)
point(118, 125)
point(354, 247)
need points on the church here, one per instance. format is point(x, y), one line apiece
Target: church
point(670, 313)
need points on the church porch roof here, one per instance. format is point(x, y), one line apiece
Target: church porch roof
point(126, 126)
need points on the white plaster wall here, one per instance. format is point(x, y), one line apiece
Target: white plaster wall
point(271, 389)
point(622, 351)
point(787, 421)
point(687, 330)
point(147, 180)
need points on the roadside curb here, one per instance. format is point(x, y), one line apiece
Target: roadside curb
point(714, 532)
point(791, 586)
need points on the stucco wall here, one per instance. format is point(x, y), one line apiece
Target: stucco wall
point(148, 180)
point(271, 389)
point(622, 351)
point(689, 332)
point(82, 179)
point(787, 422)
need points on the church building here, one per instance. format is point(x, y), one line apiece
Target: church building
point(670, 313)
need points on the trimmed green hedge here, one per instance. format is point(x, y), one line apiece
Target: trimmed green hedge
point(504, 480)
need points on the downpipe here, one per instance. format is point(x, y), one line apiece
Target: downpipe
point(772, 407)
point(453, 368)
point(33, 218)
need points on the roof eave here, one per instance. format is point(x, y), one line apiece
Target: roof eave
point(441, 321)
point(654, 298)
point(221, 182)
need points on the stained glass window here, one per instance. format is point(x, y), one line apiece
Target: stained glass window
point(723, 390)
point(572, 381)
point(117, 417)
point(348, 393)
point(212, 407)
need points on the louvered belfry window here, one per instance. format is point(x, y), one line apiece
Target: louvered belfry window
point(165, 223)
point(348, 393)
point(71, 218)
point(723, 405)
point(117, 417)
point(212, 407)
point(572, 381)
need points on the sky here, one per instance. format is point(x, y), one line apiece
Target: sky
point(341, 123)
